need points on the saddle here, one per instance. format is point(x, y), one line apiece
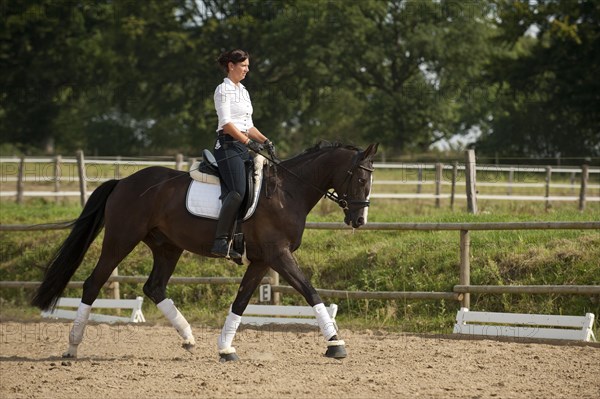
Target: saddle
point(206, 189)
point(207, 170)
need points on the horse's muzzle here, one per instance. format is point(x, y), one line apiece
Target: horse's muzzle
point(354, 219)
point(359, 222)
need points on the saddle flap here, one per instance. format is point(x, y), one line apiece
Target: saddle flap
point(209, 158)
point(204, 199)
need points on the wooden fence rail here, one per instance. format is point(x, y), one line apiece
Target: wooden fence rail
point(461, 226)
point(137, 280)
point(461, 292)
point(439, 180)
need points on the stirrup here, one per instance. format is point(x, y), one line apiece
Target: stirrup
point(221, 248)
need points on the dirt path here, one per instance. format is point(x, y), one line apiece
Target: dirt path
point(146, 361)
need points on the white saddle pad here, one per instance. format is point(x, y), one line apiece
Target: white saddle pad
point(203, 198)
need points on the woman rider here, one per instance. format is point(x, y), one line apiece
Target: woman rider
point(235, 135)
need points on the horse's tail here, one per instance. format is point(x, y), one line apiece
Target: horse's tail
point(69, 256)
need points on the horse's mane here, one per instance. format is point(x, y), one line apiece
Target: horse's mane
point(317, 149)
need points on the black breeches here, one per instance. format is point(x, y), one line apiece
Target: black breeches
point(231, 158)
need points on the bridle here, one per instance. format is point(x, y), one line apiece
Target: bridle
point(344, 202)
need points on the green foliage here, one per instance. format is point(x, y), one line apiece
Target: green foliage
point(133, 78)
point(547, 96)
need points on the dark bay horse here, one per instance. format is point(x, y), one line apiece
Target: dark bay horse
point(149, 207)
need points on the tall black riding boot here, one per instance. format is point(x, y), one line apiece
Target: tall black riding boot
point(227, 216)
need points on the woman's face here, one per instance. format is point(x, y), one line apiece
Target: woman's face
point(238, 71)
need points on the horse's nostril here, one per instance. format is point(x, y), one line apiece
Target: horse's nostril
point(360, 221)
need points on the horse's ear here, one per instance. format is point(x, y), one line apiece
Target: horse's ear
point(370, 151)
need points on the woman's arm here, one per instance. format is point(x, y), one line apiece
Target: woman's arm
point(234, 132)
point(256, 135)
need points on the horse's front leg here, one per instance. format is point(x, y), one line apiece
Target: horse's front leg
point(252, 278)
point(288, 268)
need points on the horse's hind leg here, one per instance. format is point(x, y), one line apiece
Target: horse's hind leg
point(114, 250)
point(166, 256)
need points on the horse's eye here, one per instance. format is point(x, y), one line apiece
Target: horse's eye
point(361, 180)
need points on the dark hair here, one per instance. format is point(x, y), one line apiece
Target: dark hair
point(234, 56)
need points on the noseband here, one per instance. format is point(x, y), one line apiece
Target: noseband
point(343, 201)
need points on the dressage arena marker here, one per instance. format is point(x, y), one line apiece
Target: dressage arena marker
point(259, 315)
point(519, 325)
point(134, 304)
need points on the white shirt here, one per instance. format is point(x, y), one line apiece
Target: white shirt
point(233, 104)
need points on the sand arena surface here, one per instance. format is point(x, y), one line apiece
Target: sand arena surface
point(141, 361)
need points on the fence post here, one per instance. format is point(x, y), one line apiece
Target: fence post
point(82, 179)
point(582, 193)
point(453, 190)
point(20, 178)
point(57, 175)
point(465, 265)
point(419, 178)
point(470, 176)
point(438, 183)
point(572, 181)
point(114, 290)
point(191, 161)
point(511, 178)
point(276, 296)
point(548, 178)
point(118, 167)
point(179, 162)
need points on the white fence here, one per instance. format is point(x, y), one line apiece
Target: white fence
point(54, 177)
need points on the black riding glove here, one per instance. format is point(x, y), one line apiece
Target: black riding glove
point(254, 146)
point(270, 147)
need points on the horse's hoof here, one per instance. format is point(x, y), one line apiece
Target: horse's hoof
point(188, 347)
point(336, 352)
point(68, 355)
point(336, 349)
point(228, 357)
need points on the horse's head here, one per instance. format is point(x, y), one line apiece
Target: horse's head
point(354, 191)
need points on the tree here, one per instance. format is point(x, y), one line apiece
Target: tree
point(47, 51)
point(138, 77)
point(411, 64)
point(548, 96)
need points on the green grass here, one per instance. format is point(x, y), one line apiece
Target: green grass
point(355, 260)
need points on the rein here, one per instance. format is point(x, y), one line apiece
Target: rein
point(342, 202)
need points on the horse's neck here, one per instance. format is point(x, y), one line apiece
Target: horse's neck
point(310, 179)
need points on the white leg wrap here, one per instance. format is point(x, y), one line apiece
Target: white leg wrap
point(230, 327)
point(81, 319)
point(326, 324)
point(167, 307)
point(76, 334)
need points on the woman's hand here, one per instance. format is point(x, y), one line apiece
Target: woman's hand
point(254, 146)
point(270, 147)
